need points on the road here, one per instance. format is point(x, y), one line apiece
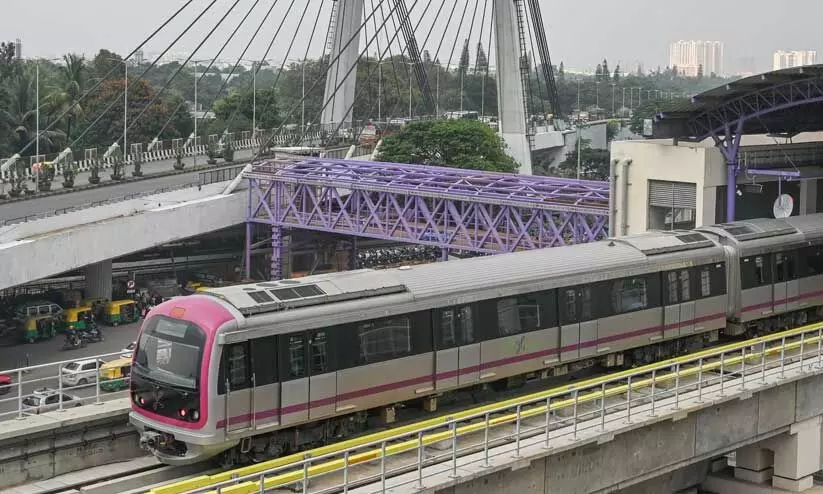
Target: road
point(50, 203)
point(116, 338)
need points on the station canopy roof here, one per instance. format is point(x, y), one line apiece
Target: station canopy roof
point(784, 102)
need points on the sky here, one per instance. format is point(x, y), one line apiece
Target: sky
point(580, 32)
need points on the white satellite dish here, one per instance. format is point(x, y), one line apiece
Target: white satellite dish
point(783, 206)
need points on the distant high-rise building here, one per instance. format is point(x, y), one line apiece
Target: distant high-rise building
point(139, 58)
point(18, 49)
point(689, 56)
point(789, 59)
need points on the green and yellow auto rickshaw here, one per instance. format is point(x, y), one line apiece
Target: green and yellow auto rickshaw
point(121, 312)
point(39, 328)
point(98, 306)
point(114, 375)
point(75, 318)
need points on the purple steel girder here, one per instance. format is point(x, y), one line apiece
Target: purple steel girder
point(447, 208)
point(755, 104)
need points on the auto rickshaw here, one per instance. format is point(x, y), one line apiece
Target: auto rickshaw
point(121, 312)
point(76, 318)
point(114, 375)
point(98, 306)
point(39, 328)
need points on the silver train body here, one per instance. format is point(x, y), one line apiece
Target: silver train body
point(257, 370)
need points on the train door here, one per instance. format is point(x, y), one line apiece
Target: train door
point(671, 306)
point(294, 381)
point(588, 322)
point(687, 303)
point(236, 385)
point(780, 287)
point(447, 349)
point(323, 380)
point(569, 324)
point(469, 357)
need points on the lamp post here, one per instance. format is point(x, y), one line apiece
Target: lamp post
point(614, 88)
point(37, 134)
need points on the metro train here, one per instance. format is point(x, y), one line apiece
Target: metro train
point(254, 371)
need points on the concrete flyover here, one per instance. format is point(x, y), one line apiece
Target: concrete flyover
point(92, 237)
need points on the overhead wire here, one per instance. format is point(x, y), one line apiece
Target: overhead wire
point(535, 59)
point(110, 72)
point(484, 82)
point(143, 74)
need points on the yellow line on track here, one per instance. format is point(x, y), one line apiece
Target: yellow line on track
point(529, 400)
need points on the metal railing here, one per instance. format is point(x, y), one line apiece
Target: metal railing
point(782, 155)
point(546, 419)
point(30, 388)
point(220, 175)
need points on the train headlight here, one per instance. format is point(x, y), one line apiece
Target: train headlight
point(195, 415)
point(183, 413)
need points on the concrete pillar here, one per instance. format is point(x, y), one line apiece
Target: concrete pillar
point(753, 464)
point(348, 18)
point(796, 456)
point(808, 197)
point(510, 100)
point(98, 280)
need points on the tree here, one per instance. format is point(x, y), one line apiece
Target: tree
point(561, 73)
point(598, 72)
point(605, 73)
point(71, 83)
point(106, 63)
point(467, 144)
point(617, 75)
point(482, 63)
point(242, 102)
point(594, 163)
point(464, 58)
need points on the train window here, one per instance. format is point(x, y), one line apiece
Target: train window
point(570, 304)
point(755, 271)
point(297, 356)
point(685, 285)
point(785, 266)
point(236, 358)
point(384, 339)
point(448, 335)
point(319, 354)
point(705, 282)
point(629, 295)
point(264, 360)
point(673, 287)
point(518, 315)
point(465, 322)
point(813, 261)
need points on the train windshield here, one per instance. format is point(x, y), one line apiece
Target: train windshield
point(170, 352)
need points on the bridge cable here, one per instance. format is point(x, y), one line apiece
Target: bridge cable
point(545, 57)
point(399, 98)
point(325, 73)
point(180, 69)
point(110, 72)
point(484, 82)
point(534, 58)
point(141, 76)
point(369, 75)
point(206, 71)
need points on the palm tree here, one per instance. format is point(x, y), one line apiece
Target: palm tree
point(71, 83)
point(21, 112)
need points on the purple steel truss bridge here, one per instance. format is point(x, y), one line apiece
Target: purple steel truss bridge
point(449, 208)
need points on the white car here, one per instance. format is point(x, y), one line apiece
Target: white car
point(128, 352)
point(80, 372)
point(46, 400)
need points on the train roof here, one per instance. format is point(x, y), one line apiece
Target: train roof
point(810, 225)
point(767, 232)
point(503, 273)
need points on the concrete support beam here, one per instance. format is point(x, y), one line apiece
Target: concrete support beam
point(348, 18)
point(808, 197)
point(510, 96)
point(796, 456)
point(98, 280)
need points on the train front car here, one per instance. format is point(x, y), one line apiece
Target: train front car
point(170, 379)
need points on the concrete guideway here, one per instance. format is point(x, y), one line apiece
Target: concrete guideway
point(684, 410)
point(43, 248)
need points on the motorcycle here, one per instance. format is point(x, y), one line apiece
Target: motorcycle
point(73, 342)
point(91, 334)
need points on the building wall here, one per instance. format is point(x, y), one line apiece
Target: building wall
point(794, 58)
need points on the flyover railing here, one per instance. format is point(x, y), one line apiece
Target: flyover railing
point(205, 178)
point(56, 387)
point(405, 456)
